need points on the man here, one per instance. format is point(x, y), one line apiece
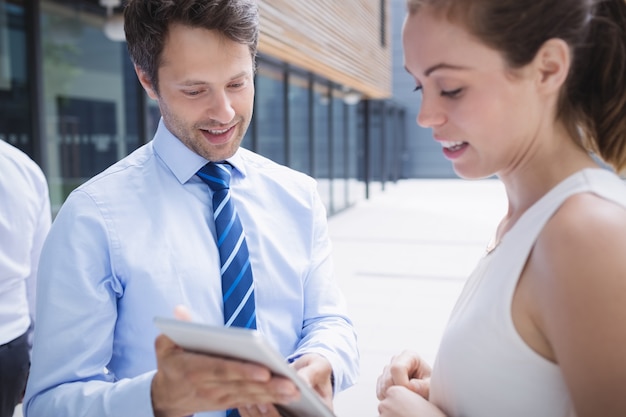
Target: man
point(139, 239)
point(24, 223)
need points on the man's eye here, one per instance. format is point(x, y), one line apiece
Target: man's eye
point(417, 88)
point(452, 93)
point(192, 93)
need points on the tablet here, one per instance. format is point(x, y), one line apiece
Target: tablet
point(247, 345)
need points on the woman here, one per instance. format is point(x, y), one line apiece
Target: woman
point(535, 93)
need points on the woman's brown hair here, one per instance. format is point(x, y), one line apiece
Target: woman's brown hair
point(593, 100)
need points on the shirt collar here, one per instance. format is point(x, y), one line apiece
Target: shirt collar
point(182, 161)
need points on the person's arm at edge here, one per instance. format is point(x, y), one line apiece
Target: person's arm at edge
point(67, 376)
point(44, 220)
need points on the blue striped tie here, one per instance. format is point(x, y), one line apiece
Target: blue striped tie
point(237, 284)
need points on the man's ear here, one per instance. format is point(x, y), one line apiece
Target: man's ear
point(146, 83)
point(552, 62)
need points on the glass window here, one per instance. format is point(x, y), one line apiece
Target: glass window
point(89, 90)
point(269, 112)
point(299, 118)
point(321, 141)
point(376, 135)
point(15, 106)
point(339, 152)
point(391, 152)
point(354, 149)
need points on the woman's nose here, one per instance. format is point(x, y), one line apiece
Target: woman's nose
point(430, 114)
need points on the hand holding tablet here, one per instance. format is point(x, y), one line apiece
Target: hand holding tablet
point(246, 345)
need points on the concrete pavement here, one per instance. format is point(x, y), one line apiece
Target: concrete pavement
point(402, 258)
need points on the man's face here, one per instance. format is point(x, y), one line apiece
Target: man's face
point(206, 90)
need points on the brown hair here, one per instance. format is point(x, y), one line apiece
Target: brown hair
point(146, 24)
point(593, 100)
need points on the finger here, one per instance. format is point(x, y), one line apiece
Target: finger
point(408, 365)
point(400, 369)
point(420, 386)
point(259, 410)
point(270, 411)
point(250, 397)
point(205, 369)
point(314, 369)
point(247, 411)
point(382, 383)
point(181, 312)
point(285, 390)
point(164, 345)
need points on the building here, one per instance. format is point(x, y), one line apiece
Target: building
point(422, 156)
point(69, 96)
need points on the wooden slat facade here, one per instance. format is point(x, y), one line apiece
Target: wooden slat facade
point(338, 39)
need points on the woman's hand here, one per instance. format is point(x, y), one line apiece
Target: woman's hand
point(406, 370)
point(402, 402)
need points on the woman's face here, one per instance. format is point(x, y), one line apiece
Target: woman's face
point(485, 116)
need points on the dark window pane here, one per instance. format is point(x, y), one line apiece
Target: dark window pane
point(15, 106)
point(299, 118)
point(269, 112)
point(321, 168)
point(90, 96)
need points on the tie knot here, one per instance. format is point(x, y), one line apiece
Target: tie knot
point(216, 175)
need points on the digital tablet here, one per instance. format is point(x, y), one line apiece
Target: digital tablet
point(247, 345)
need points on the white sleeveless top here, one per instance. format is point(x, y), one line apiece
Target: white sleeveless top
point(483, 367)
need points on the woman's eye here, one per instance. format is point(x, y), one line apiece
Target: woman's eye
point(417, 88)
point(451, 93)
point(192, 93)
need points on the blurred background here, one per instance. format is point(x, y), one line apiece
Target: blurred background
point(333, 99)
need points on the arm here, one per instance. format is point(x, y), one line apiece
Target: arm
point(580, 265)
point(76, 316)
point(40, 233)
point(327, 331)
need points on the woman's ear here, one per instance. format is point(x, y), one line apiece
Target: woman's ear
point(553, 61)
point(146, 83)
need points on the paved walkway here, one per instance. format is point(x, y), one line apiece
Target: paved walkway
point(402, 258)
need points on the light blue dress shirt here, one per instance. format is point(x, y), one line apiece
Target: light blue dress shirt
point(139, 239)
point(24, 223)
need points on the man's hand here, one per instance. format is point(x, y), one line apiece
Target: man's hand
point(186, 383)
point(315, 370)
